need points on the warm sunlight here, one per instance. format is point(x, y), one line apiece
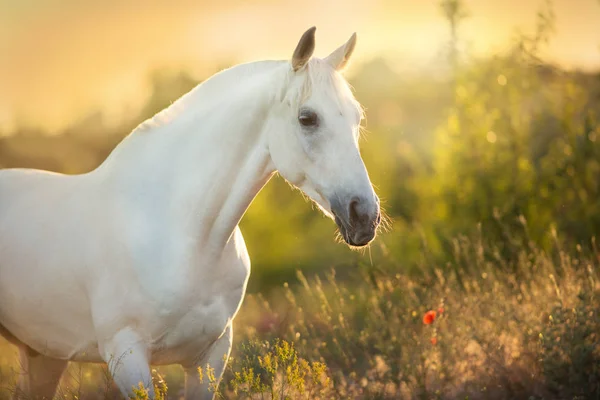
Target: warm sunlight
point(182, 219)
point(63, 59)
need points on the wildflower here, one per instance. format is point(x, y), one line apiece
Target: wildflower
point(434, 341)
point(440, 310)
point(429, 317)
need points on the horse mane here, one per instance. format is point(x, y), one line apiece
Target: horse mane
point(318, 75)
point(169, 113)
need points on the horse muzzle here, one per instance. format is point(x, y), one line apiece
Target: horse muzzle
point(357, 219)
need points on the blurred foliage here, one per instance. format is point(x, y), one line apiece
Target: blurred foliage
point(490, 142)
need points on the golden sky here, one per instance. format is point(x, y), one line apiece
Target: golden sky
point(62, 58)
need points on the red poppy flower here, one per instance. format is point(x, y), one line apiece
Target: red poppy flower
point(429, 317)
point(441, 310)
point(434, 341)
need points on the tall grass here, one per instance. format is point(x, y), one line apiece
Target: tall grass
point(523, 328)
point(526, 328)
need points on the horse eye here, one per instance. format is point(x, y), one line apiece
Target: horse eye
point(308, 118)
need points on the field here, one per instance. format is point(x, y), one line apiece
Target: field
point(485, 284)
point(479, 328)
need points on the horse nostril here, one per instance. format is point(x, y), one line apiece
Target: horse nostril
point(353, 209)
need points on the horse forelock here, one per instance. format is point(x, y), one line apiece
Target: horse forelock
point(321, 78)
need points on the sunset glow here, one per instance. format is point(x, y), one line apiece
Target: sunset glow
point(62, 58)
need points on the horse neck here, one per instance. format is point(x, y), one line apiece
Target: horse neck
point(202, 169)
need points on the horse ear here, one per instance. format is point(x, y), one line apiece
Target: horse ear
point(339, 58)
point(304, 49)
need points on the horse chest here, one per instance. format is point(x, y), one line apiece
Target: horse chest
point(188, 331)
point(183, 307)
point(191, 334)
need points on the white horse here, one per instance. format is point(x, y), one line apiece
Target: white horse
point(141, 262)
